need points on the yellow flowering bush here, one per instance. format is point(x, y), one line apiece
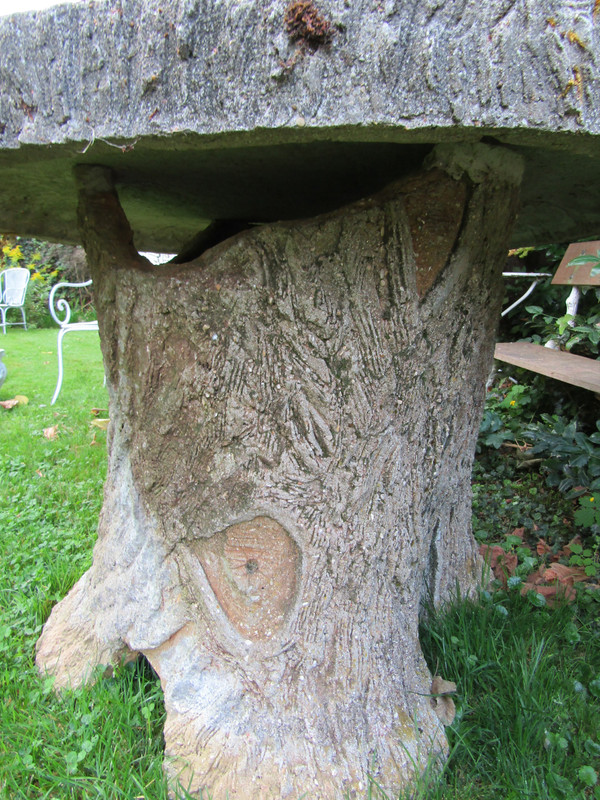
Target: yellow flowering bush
point(12, 255)
point(42, 276)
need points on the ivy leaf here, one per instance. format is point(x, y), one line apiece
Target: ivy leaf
point(588, 775)
point(592, 748)
point(555, 740)
point(513, 540)
point(536, 599)
point(495, 440)
point(571, 633)
point(71, 759)
point(584, 517)
point(561, 784)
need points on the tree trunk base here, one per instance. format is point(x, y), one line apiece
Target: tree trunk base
point(293, 421)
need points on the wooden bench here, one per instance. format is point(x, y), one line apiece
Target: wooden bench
point(546, 360)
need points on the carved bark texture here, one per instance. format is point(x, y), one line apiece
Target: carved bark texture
point(293, 419)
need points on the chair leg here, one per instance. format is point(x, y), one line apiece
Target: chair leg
point(4, 323)
point(61, 334)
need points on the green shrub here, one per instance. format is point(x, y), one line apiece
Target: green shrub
point(505, 413)
point(580, 332)
point(571, 459)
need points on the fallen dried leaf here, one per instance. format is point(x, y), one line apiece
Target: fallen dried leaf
point(444, 708)
point(501, 563)
point(8, 404)
point(543, 547)
point(440, 686)
point(534, 578)
point(23, 401)
point(51, 432)
point(562, 579)
point(564, 574)
point(100, 423)
point(441, 702)
point(553, 594)
point(96, 411)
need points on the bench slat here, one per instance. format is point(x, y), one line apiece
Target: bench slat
point(577, 274)
point(563, 366)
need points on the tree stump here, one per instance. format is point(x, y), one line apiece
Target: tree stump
point(293, 422)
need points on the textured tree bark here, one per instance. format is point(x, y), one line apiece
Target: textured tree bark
point(293, 419)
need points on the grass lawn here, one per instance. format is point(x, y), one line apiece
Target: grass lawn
point(104, 741)
point(528, 676)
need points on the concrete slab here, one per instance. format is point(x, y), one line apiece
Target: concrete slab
point(214, 111)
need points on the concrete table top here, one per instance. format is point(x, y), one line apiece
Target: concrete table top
point(223, 111)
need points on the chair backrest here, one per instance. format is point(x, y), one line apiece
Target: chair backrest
point(60, 305)
point(14, 286)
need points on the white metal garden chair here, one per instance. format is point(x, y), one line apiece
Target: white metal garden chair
point(13, 288)
point(61, 306)
point(535, 277)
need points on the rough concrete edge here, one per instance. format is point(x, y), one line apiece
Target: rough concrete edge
point(478, 161)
